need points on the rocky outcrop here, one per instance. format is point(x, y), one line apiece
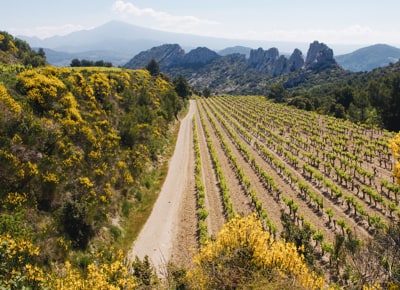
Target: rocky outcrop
point(270, 62)
point(172, 55)
point(234, 73)
point(199, 57)
point(166, 55)
point(319, 57)
point(264, 61)
point(296, 61)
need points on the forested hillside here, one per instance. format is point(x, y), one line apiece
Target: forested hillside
point(370, 97)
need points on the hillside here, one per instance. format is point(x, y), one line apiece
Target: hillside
point(76, 146)
point(236, 49)
point(367, 97)
point(368, 58)
point(16, 51)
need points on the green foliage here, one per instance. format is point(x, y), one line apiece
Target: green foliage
point(72, 142)
point(87, 63)
point(14, 50)
point(206, 92)
point(182, 87)
point(369, 97)
point(300, 236)
point(153, 67)
point(277, 92)
point(301, 103)
point(77, 224)
point(144, 273)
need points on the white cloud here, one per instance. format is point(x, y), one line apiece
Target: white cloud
point(355, 34)
point(47, 31)
point(160, 19)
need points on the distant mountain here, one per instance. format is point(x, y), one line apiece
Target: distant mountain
point(61, 58)
point(368, 58)
point(236, 49)
point(118, 42)
point(234, 73)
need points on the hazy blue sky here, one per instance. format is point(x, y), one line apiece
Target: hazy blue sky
point(339, 21)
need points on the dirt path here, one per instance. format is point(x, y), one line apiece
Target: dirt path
point(156, 238)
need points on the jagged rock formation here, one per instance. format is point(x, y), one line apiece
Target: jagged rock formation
point(268, 61)
point(319, 57)
point(234, 73)
point(296, 61)
point(264, 61)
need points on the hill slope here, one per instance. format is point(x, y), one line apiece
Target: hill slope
point(368, 58)
point(74, 147)
point(16, 51)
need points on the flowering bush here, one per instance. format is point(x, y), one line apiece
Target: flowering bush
point(246, 256)
point(395, 145)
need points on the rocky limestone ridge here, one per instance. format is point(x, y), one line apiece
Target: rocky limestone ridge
point(264, 61)
point(319, 57)
point(173, 59)
point(296, 61)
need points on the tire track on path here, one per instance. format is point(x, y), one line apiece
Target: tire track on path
point(157, 236)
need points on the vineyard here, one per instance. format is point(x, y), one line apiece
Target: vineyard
point(327, 175)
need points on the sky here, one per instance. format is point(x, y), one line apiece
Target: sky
point(355, 22)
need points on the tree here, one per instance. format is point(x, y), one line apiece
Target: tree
point(182, 87)
point(207, 92)
point(75, 63)
point(338, 110)
point(41, 52)
point(85, 62)
point(384, 95)
point(277, 92)
point(344, 96)
point(75, 222)
point(153, 67)
point(99, 63)
point(300, 236)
